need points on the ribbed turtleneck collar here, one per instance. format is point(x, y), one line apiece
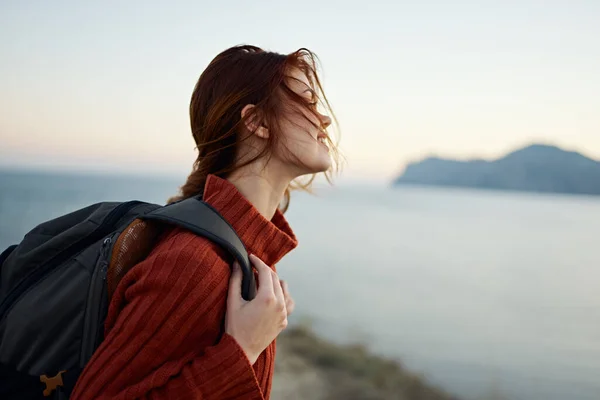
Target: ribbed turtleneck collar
point(268, 240)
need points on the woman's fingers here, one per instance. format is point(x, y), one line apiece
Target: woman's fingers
point(265, 287)
point(278, 290)
point(289, 301)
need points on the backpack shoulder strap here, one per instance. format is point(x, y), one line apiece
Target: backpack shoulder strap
point(200, 218)
point(6, 253)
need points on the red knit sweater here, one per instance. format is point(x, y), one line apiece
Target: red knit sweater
point(165, 326)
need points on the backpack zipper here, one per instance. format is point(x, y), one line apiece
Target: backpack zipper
point(38, 273)
point(93, 312)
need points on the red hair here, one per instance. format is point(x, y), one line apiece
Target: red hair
point(236, 77)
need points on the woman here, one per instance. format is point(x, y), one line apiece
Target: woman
point(177, 326)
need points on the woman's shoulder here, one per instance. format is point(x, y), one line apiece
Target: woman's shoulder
point(181, 246)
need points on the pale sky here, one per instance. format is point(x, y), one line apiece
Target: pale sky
point(107, 84)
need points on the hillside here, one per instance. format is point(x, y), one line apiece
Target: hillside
point(536, 168)
point(309, 367)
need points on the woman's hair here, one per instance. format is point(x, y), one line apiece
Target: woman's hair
point(236, 77)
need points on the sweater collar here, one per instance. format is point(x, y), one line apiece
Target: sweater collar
point(268, 240)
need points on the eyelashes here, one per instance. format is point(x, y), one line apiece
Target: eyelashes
point(314, 104)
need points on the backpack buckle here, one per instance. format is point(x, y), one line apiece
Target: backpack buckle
point(52, 383)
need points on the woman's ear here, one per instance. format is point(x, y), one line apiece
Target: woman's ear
point(253, 121)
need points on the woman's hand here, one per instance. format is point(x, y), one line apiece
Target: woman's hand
point(289, 301)
point(255, 324)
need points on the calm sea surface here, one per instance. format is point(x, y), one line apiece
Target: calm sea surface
point(482, 292)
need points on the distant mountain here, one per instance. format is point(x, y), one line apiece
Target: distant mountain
point(537, 168)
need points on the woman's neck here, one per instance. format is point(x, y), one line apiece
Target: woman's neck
point(263, 190)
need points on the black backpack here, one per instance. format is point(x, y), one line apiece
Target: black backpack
point(55, 286)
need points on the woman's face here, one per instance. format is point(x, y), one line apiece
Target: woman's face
point(303, 146)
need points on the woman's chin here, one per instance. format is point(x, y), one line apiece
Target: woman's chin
point(321, 165)
point(319, 162)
